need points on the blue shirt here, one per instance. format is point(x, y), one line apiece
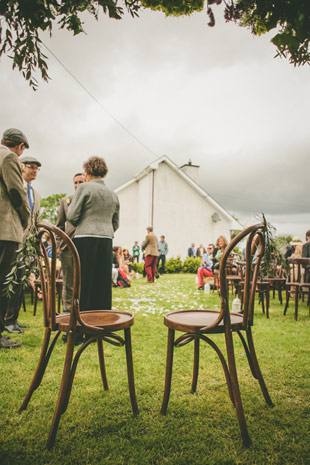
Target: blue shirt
point(206, 261)
point(162, 248)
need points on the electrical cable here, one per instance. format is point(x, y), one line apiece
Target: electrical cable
point(98, 103)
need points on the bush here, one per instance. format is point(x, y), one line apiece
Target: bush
point(174, 265)
point(191, 265)
point(138, 267)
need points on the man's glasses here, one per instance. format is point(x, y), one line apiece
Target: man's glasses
point(32, 167)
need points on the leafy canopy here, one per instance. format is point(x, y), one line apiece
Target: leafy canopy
point(22, 21)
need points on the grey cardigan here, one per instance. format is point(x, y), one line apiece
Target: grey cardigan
point(94, 210)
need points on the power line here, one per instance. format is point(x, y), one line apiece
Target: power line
point(98, 103)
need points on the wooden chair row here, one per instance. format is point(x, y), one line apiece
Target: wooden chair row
point(104, 326)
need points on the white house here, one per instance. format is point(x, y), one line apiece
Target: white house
point(170, 199)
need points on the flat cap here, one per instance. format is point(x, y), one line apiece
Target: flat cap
point(16, 135)
point(27, 159)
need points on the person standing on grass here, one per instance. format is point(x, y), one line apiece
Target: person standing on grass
point(30, 168)
point(306, 254)
point(151, 253)
point(136, 252)
point(14, 214)
point(65, 254)
point(162, 251)
point(94, 211)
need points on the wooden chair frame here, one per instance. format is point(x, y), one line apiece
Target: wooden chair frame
point(197, 325)
point(107, 323)
point(295, 285)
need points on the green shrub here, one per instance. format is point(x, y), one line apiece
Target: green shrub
point(191, 265)
point(174, 265)
point(138, 267)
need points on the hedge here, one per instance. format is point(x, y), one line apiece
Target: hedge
point(174, 265)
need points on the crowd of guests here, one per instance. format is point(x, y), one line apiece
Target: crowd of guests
point(210, 259)
point(89, 217)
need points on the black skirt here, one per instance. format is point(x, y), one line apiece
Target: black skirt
point(96, 272)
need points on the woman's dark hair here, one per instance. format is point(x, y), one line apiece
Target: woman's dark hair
point(95, 166)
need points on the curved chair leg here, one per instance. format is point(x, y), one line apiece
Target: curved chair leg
point(267, 302)
point(288, 289)
point(235, 386)
point(296, 302)
point(102, 365)
point(41, 367)
point(169, 363)
point(247, 352)
point(63, 394)
point(35, 300)
point(224, 365)
point(130, 373)
point(259, 375)
point(262, 299)
point(280, 294)
point(196, 365)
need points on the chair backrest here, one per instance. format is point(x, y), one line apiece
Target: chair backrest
point(297, 269)
point(48, 273)
point(255, 247)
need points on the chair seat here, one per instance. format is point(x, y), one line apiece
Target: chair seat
point(274, 279)
point(106, 319)
point(298, 284)
point(233, 277)
point(191, 321)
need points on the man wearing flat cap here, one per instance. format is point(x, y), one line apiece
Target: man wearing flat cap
point(14, 213)
point(30, 167)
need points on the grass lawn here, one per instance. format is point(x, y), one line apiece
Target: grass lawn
point(201, 428)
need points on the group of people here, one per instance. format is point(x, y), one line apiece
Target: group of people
point(18, 205)
point(154, 254)
point(210, 259)
point(89, 217)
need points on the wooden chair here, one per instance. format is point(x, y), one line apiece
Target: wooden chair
point(295, 287)
point(199, 325)
point(262, 289)
point(38, 286)
point(277, 281)
point(96, 325)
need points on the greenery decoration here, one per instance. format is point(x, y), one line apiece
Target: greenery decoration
point(49, 207)
point(24, 263)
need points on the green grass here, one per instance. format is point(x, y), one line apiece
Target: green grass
point(201, 428)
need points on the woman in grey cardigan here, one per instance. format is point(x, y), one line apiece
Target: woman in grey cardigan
point(94, 211)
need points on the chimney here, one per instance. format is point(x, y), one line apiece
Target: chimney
point(191, 170)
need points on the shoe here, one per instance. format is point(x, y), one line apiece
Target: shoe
point(14, 328)
point(6, 343)
point(21, 325)
point(201, 288)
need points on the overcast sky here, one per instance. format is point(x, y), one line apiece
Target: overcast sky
point(172, 86)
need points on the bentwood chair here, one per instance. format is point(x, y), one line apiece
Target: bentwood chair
point(262, 289)
point(295, 287)
point(201, 325)
point(97, 326)
point(277, 280)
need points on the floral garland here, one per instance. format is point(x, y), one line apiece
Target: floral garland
point(24, 263)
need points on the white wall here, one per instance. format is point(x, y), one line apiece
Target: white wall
point(180, 213)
